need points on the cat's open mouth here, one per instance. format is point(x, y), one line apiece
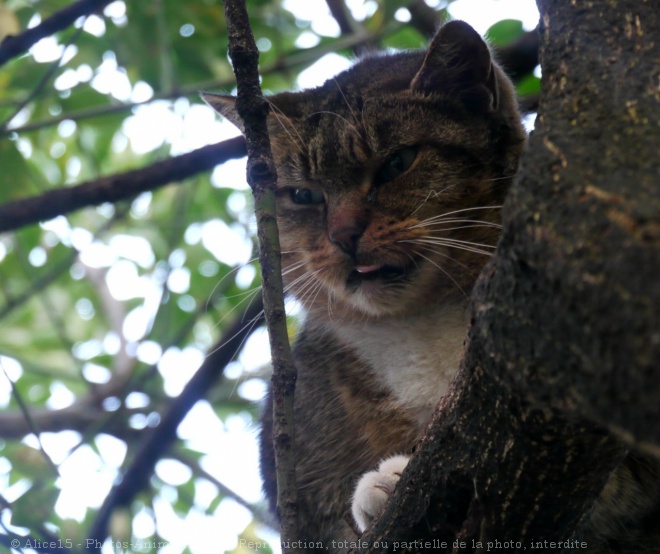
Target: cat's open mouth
point(374, 273)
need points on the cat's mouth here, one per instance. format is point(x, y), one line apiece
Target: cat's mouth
point(387, 273)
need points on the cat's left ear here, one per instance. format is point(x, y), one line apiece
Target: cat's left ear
point(458, 61)
point(225, 105)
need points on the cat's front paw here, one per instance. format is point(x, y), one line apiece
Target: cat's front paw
point(374, 488)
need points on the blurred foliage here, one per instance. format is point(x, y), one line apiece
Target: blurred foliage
point(92, 303)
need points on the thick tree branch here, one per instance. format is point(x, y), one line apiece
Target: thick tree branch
point(117, 187)
point(253, 109)
point(136, 476)
point(13, 46)
point(521, 56)
point(342, 16)
point(424, 18)
point(80, 417)
point(347, 25)
point(562, 354)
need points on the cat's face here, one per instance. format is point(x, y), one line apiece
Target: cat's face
point(388, 174)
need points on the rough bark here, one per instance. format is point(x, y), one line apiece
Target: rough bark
point(562, 354)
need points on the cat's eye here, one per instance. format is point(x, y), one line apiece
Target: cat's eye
point(307, 196)
point(397, 164)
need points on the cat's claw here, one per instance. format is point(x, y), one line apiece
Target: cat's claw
point(374, 488)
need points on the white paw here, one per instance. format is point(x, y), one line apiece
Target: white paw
point(374, 488)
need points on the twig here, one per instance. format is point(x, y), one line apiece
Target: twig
point(117, 187)
point(44, 280)
point(36, 91)
point(13, 46)
point(253, 109)
point(28, 418)
point(289, 61)
point(39, 284)
point(136, 477)
point(260, 513)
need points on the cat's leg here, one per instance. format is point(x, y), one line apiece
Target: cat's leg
point(374, 488)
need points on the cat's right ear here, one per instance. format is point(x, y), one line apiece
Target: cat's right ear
point(225, 105)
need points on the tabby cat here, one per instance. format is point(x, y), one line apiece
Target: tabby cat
point(391, 176)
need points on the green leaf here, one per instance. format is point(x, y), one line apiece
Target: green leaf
point(529, 85)
point(505, 31)
point(34, 507)
point(18, 180)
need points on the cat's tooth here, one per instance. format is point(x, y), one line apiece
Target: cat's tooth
point(366, 268)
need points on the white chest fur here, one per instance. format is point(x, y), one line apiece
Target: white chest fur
point(414, 358)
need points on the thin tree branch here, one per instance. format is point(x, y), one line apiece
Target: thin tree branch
point(45, 280)
point(262, 177)
point(291, 60)
point(13, 46)
point(260, 513)
point(136, 476)
point(117, 187)
point(83, 414)
point(25, 413)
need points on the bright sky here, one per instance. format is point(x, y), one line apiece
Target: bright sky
point(85, 480)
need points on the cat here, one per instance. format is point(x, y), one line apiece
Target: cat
point(390, 180)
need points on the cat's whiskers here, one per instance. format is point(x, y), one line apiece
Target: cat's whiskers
point(443, 271)
point(226, 276)
point(249, 294)
point(305, 276)
point(249, 324)
point(302, 283)
point(443, 255)
point(432, 222)
point(444, 217)
point(452, 243)
point(315, 291)
point(310, 288)
point(504, 177)
point(252, 294)
point(438, 252)
point(430, 193)
point(331, 297)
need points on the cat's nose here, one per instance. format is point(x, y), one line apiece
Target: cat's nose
point(347, 237)
point(346, 226)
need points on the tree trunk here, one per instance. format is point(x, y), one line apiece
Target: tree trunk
point(561, 363)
